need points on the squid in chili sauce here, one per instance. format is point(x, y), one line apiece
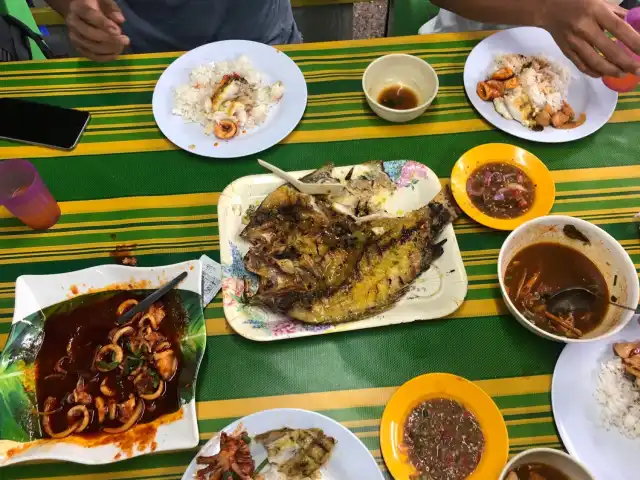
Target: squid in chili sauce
point(94, 375)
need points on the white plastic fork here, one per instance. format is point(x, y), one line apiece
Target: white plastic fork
point(308, 188)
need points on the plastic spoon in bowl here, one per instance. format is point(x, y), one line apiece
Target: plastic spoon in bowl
point(577, 298)
point(308, 188)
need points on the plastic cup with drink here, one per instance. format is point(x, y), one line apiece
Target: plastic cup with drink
point(25, 195)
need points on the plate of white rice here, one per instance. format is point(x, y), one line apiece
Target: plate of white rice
point(597, 407)
point(584, 94)
point(264, 97)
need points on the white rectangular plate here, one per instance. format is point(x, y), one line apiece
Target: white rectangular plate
point(36, 292)
point(436, 293)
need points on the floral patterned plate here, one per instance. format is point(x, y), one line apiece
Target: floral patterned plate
point(436, 293)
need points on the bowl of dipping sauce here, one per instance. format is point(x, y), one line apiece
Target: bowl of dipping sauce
point(399, 87)
point(546, 463)
point(502, 186)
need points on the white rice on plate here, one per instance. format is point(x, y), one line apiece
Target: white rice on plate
point(619, 397)
point(248, 108)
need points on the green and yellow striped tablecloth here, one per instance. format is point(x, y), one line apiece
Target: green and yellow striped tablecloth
point(125, 184)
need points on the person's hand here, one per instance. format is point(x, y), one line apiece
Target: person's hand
point(94, 29)
point(578, 27)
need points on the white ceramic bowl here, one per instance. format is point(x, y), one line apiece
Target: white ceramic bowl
point(604, 251)
point(554, 458)
point(399, 68)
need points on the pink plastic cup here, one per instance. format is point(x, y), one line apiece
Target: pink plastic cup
point(25, 195)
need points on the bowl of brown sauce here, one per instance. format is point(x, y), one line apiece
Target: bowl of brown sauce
point(544, 464)
point(399, 87)
point(550, 254)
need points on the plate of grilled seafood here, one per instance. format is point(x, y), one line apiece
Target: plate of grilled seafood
point(380, 252)
point(520, 81)
point(284, 444)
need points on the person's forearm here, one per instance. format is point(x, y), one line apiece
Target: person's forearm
point(60, 6)
point(511, 12)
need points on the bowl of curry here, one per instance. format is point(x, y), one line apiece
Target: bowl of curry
point(548, 255)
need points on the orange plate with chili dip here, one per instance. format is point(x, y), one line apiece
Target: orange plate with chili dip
point(502, 186)
point(446, 424)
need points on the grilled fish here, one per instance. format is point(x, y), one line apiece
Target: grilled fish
point(301, 245)
point(318, 265)
point(297, 453)
point(387, 267)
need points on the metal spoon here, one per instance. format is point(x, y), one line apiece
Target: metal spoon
point(151, 299)
point(576, 299)
point(308, 188)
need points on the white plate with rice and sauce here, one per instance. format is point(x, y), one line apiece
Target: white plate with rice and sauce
point(597, 408)
point(229, 99)
point(558, 81)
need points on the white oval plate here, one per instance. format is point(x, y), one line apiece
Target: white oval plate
point(608, 454)
point(585, 94)
point(273, 64)
point(349, 459)
point(439, 291)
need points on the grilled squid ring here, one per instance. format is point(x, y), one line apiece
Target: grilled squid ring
point(118, 356)
point(126, 305)
point(106, 389)
point(152, 396)
point(486, 92)
point(496, 85)
point(121, 332)
point(225, 129)
point(76, 412)
point(49, 407)
point(147, 321)
point(137, 413)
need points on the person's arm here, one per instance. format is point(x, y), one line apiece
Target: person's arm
point(60, 6)
point(94, 27)
point(576, 25)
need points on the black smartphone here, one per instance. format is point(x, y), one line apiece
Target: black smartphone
point(41, 124)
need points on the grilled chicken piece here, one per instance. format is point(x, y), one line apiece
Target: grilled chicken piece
point(299, 452)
